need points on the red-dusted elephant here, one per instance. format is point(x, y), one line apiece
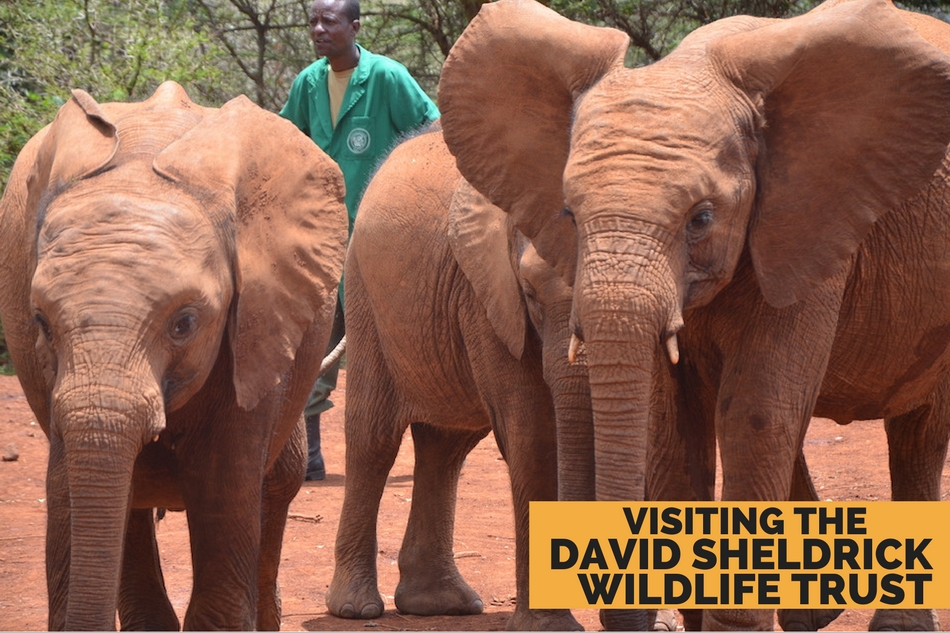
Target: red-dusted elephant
point(168, 281)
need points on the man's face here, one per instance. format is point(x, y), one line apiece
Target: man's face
point(332, 32)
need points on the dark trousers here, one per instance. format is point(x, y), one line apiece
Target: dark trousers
point(319, 400)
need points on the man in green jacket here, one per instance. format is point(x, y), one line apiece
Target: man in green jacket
point(355, 105)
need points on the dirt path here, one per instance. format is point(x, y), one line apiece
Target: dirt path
point(847, 463)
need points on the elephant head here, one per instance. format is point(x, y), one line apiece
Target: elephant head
point(775, 142)
point(156, 248)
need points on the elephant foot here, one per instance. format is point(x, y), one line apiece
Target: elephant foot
point(806, 619)
point(626, 619)
point(525, 619)
point(738, 619)
point(146, 611)
point(357, 601)
point(904, 620)
point(439, 596)
point(151, 622)
point(692, 619)
point(268, 615)
point(665, 620)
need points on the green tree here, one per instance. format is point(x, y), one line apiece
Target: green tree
point(418, 33)
point(117, 50)
point(266, 43)
point(940, 9)
point(656, 27)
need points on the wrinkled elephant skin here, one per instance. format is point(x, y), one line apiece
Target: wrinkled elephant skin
point(166, 293)
point(454, 328)
point(761, 234)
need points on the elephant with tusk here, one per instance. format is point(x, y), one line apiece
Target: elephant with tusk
point(761, 221)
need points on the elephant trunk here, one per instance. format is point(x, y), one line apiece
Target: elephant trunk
point(570, 389)
point(628, 310)
point(621, 383)
point(102, 430)
point(623, 342)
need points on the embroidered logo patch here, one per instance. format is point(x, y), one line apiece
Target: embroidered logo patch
point(358, 140)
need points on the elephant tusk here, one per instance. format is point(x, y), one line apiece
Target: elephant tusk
point(573, 348)
point(673, 349)
point(155, 439)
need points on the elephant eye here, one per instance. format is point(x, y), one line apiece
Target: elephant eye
point(182, 326)
point(43, 323)
point(529, 290)
point(700, 222)
point(567, 213)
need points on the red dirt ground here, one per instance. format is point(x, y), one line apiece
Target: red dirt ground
point(848, 463)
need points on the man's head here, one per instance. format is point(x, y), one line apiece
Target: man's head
point(333, 28)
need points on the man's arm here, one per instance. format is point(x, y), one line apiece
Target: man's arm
point(410, 107)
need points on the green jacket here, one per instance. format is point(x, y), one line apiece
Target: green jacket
point(382, 103)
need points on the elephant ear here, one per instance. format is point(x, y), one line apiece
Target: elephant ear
point(507, 95)
point(17, 265)
point(855, 122)
point(79, 142)
point(285, 198)
point(479, 239)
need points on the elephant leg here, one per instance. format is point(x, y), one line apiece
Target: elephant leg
point(429, 581)
point(807, 619)
point(682, 437)
point(905, 620)
point(57, 535)
point(692, 619)
point(682, 461)
point(373, 437)
point(770, 383)
point(762, 485)
point(917, 449)
point(527, 438)
point(221, 481)
point(665, 620)
point(143, 600)
point(627, 619)
point(803, 489)
point(281, 485)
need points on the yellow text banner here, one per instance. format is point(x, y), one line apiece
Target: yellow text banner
point(739, 555)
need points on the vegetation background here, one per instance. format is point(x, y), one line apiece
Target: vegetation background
point(121, 50)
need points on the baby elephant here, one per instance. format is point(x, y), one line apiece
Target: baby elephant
point(169, 279)
point(453, 326)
